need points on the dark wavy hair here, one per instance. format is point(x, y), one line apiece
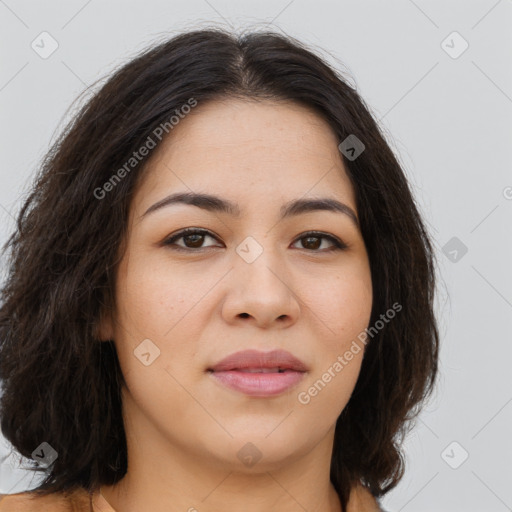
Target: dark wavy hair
point(61, 385)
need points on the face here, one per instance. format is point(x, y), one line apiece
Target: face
point(244, 279)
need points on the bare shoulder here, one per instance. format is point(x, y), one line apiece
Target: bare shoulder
point(73, 501)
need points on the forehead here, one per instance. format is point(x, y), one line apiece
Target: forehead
point(245, 148)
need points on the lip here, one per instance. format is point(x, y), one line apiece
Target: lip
point(239, 371)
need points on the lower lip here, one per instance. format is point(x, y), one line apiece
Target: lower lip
point(259, 384)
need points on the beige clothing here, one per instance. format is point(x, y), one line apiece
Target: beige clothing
point(80, 501)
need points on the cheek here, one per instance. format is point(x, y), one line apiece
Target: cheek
point(155, 303)
point(168, 307)
point(341, 307)
point(344, 308)
point(154, 297)
point(342, 303)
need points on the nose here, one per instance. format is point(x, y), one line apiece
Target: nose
point(259, 294)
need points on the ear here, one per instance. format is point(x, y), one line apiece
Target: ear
point(104, 330)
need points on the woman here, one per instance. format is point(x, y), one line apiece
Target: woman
point(220, 293)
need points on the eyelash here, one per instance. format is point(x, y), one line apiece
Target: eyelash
point(338, 245)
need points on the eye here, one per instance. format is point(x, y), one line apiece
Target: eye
point(193, 239)
point(312, 240)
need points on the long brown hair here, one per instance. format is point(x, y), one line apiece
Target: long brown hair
point(62, 386)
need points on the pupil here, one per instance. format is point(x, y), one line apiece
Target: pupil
point(308, 240)
point(198, 238)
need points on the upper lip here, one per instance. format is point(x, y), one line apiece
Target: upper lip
point(255, 359)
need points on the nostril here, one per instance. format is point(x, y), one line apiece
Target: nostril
point(244, 315)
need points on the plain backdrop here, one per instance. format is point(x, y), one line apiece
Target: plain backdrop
point(437, 75)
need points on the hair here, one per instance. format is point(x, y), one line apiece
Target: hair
point(62, 385)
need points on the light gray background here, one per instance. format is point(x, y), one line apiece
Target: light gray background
point(449, 121)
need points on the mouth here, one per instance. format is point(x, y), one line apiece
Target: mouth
point(259, 374)
point(262, 370)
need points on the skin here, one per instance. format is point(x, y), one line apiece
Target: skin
point(183, 428)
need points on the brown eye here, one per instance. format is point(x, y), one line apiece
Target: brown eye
point(195, 238)
point(312, 241)
point(192, 239)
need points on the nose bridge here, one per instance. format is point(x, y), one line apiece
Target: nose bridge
point(259, 263)
point(260, 289)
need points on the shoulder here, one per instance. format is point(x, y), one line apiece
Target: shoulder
point(71, 501)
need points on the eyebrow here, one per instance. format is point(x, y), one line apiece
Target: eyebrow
point(217, 204)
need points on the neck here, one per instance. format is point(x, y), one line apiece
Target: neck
point(164, 478)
